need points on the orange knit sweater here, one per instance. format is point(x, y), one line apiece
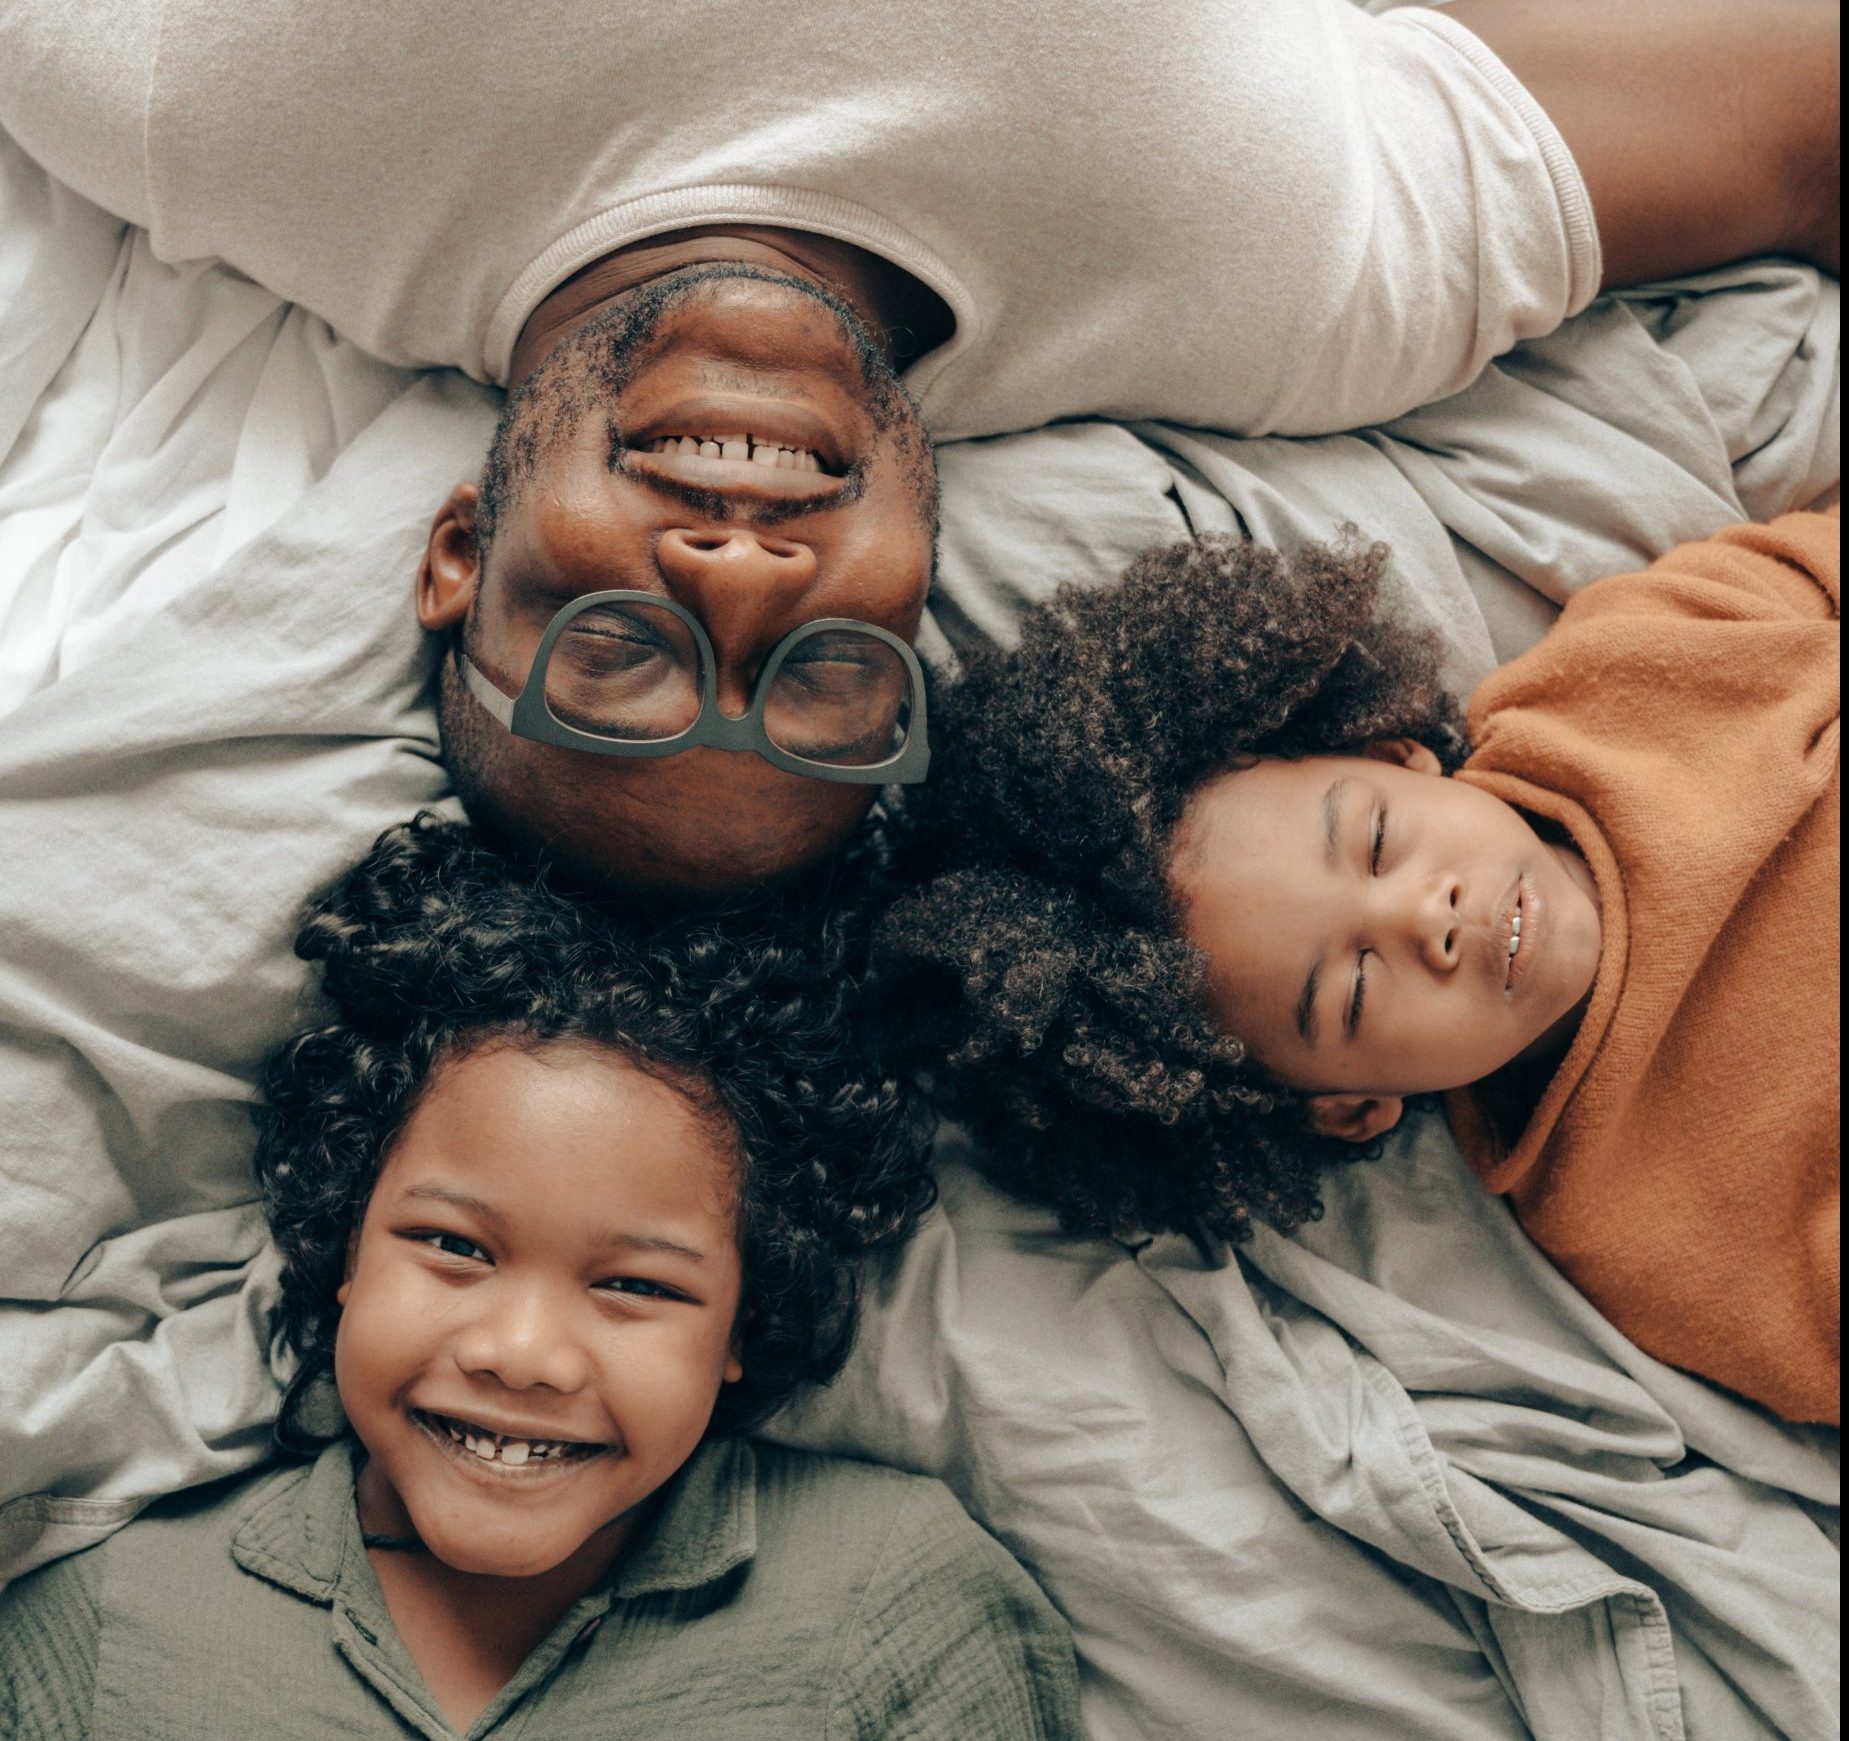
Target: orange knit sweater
point(1684, 1165)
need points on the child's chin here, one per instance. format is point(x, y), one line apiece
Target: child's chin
point(491, 1559)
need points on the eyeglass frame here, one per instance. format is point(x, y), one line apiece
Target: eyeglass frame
point(528, 715)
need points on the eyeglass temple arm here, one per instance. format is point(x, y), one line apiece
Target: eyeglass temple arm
point(501, 706)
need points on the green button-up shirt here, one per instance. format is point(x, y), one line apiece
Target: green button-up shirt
point(777, 1594)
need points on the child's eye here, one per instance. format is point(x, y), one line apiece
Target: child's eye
point(1360, 992)
point(640, 1288)
point(452, 1245)
point(1380, 840)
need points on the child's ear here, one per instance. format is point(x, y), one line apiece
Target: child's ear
point(734, 1365)
point(346, 1280)
point(1406, 753)
point(1355, 1118)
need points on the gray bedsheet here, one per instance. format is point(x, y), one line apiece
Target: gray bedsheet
point(1392, 1478)
point(1537, 1530)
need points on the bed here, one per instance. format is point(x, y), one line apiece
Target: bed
point(1389, 1478)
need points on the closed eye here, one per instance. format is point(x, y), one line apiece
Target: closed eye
point(1380, 841)
point(1359, 995)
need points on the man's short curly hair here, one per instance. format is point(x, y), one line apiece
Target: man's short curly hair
point(1038, 974)
point(433, 947)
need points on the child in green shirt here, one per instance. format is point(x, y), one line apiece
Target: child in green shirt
point(562, 1212)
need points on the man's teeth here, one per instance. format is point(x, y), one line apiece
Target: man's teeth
point(493, 1448)
point(745, 447)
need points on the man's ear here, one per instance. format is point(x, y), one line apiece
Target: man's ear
point(451, 567)
point(1406, 753)
point(1355, 1118)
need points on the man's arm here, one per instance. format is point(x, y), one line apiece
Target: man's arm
point(1706, 130)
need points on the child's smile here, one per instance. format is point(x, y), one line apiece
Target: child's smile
point(480, 1444)
point(540, 1307)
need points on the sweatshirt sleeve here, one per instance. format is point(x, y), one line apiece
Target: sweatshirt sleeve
point(50, 1629)
point(953, 1641)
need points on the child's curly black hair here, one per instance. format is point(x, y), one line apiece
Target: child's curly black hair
point(434, 945)
point(1038, 975)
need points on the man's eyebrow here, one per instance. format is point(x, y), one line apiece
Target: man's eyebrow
point(1306, 1004)
point(1332, 817)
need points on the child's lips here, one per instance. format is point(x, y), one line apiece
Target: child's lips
point(1519, 934)
point(509, 1459)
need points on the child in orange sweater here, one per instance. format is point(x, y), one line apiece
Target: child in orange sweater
point(1198, 897)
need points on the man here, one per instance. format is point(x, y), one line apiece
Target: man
point(1255, 216)
point(644, 455)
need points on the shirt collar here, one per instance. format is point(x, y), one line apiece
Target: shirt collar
point(297, 1526)
point(707, 1525)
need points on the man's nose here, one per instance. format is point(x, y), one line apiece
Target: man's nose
point(744, 585)
point(520, 1337)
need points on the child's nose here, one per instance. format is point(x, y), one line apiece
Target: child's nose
point(521, 1340)
point(1436, 921)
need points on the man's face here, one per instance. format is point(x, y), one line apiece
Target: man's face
point(746, 468)
point(1357, 916)
point(540, 1307)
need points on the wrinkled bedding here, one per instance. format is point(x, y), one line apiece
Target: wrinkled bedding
point(1390, 1478)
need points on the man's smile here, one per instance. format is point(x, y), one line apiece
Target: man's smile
point(777, 423)
point(732, 448)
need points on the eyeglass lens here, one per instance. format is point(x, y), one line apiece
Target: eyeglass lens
point(841, 698)
point(631, 671)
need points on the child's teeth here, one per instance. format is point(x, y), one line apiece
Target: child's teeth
point(513, 1452)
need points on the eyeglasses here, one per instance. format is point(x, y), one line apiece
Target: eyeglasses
point(633, 674)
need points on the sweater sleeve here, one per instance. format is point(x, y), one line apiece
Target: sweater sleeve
point(50, 1628)
point(952, 1641)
